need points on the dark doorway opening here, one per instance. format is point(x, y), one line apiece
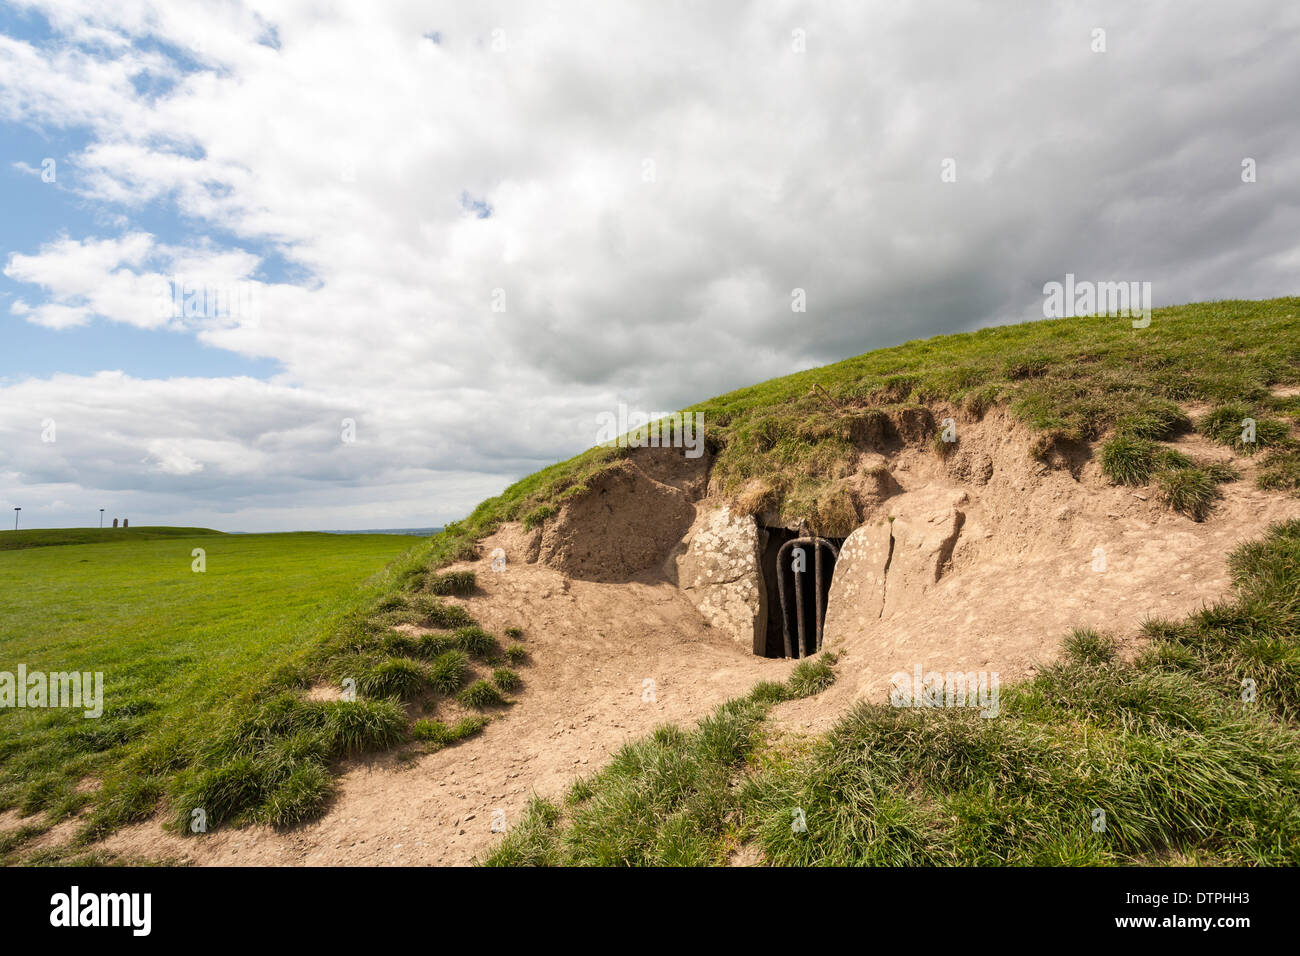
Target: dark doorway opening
point(784, 570)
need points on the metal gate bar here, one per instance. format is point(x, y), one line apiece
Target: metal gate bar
point(816, 544)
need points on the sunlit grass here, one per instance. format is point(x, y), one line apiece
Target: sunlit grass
point(175, 647)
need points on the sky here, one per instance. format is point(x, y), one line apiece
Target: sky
point(313, 264)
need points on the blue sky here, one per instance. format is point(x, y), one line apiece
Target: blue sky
point(35, 212)
point(472, 247)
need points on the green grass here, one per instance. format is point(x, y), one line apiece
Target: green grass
point(1133, 456)
point(438, 735)
point(175, 648)
point(1191, 491)
point(270, 761)
point(475, 641)
point(449, 672)
point(506, 680)
point(270, 765)
point(1129, 460)
point(1190, 752)
point(437, 614)
point(481, 694)
point(267, 756)
point(452, 582)
point(1182, 484)
point(45, 537)
point(1176, 766)
point(1226, 424)
point(1086, 646)
point(1280, 470)
point(399, 677)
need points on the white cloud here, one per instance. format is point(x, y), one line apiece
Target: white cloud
point(347, 151)
point(170, 460)
point(136, 281)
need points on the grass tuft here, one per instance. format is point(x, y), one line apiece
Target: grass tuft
point(506, 680)
point(1128, 459)
point(476, 642)
point(451, 582)
point(301, 795)
point(1280, 469)
point(439, 735)
point(399, 677)
point(481, 694)
point(437, 614)
point(812, 676)
point(1228, 425)
point(352, 727)
point(1191, 491)
point(448, 673)
point(1086, 646)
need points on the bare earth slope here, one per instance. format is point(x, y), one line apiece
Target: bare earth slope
point(1037, 553)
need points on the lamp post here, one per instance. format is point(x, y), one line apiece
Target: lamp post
point(101, 517)
point(16, 510)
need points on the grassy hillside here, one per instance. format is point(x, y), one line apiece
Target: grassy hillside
point(45, 537)
point(174, 645)
point(785, 444)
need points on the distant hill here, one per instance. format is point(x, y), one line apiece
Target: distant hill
point(415, 532)
point(44, 537)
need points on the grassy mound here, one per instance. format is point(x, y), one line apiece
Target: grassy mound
point(785, 444)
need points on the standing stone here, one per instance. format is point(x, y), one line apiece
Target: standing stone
point(857, 595)
point(126, 522)
point(114, 522)
point(718, 568)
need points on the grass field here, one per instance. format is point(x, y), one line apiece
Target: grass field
point(173, 644)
